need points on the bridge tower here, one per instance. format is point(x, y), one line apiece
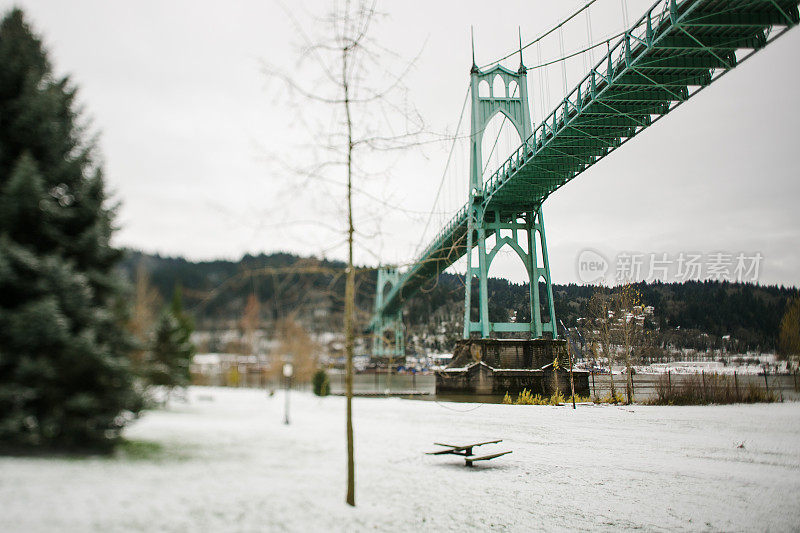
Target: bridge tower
point(511, 227)
point(381, 347)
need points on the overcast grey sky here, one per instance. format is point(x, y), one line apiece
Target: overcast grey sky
point(187, 119)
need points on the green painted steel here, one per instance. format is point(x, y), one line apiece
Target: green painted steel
point(522, 235)
point(523, 222)
point(676, 49)
point(388, 278)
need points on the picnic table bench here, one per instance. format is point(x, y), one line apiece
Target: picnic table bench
point(466, 452)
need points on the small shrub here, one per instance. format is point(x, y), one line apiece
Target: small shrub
point(617, 398)
point(578, 399)
point(556, 399)
point(526, 397)
point(320, 383)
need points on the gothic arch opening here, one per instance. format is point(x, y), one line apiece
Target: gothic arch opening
point(498, 87)
point(500, 140)
point(513, 89)
point(509, 269)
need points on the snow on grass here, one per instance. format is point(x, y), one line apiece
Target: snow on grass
point(225, 461)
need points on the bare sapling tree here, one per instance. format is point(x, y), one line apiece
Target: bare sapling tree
point(629, 311)
point(249, 324)
point(367, 120)
point(601, 324)
point(295, 341)
point(146, 305)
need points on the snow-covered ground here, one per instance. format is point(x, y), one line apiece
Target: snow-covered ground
point(225, 461)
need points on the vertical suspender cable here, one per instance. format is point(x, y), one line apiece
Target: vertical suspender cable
point(591, 39)
point(624, 13)
point(541, 83)
point(547, 86)
point(563, 61)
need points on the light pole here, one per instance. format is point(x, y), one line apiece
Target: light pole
point(287, 374)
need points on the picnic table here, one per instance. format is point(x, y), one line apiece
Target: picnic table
point(465, 451)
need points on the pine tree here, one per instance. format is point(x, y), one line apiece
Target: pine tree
point(64, 378)
point(172, 351)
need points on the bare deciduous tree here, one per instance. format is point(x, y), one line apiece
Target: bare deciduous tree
point(294, 340)
point(600, 329)
point(146, 306)
point(344, 57)
point(789, 335)
point(249, 324)
point(630, 324)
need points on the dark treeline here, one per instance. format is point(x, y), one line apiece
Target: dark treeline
point(286, 285)
point(692, 314)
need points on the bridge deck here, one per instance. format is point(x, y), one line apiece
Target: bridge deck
point(667, 56)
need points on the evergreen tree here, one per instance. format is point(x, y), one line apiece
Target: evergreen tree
point(64, 379)
point(320, 383)
point(172, 350)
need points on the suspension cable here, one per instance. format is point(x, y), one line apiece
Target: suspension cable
point(545, 34)
point(605, 41)
point(444, 172)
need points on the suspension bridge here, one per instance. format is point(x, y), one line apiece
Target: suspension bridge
point(671, 53)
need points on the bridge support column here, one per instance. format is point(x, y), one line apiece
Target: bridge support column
point(387, 278)
point(381, 345)
point(399, 337)
point(535, 223)
point(511, 230)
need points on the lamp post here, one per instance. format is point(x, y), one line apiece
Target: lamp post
point(287, 374)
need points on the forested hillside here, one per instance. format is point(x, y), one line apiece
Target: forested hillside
point(691, 314)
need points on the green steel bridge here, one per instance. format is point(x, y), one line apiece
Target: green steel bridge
point(676, 49)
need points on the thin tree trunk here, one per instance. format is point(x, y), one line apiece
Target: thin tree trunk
point(611, 375)
point(571, 377)
point(629, 380)
point(349, 291)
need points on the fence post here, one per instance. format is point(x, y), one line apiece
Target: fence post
point(594, 389)
point(795, 380)
point(766, 382)
point(669, 382)
point(736, 385)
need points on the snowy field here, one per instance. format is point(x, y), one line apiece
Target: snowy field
point(225, 461)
